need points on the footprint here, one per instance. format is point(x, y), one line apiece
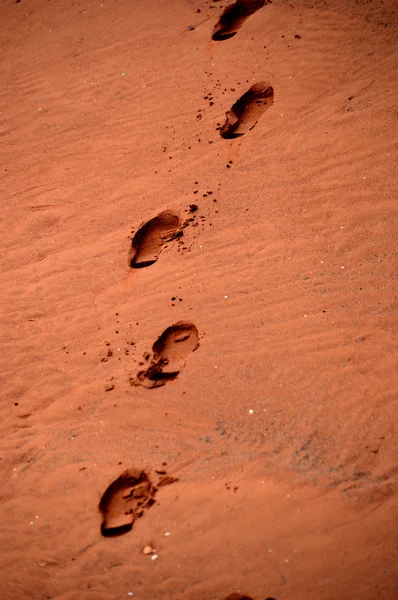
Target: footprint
point(246, 111)
point(149, 240)
point(238, 597)
point(242, 597)
point(169, 353)
point(124, 501)
point(233, 18)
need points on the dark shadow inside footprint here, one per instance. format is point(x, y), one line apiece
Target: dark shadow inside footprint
point(169, 353)
point(242, 597)
point(246, 111)
point(124, 501)
point(233, 18)
point(149, 240)
point(238, 597)
point(235, 596)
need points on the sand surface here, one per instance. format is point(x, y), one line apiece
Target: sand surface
point(274, 400)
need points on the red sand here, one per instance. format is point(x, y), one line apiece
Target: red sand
point(281, 424)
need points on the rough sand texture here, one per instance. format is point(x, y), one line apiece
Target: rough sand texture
point(281, 426)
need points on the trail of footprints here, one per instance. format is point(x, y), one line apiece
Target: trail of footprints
point(132, 493)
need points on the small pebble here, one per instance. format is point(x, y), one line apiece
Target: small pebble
point(147, 550)
point(154, 556)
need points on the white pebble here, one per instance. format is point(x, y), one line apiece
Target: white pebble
point(154, 556)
